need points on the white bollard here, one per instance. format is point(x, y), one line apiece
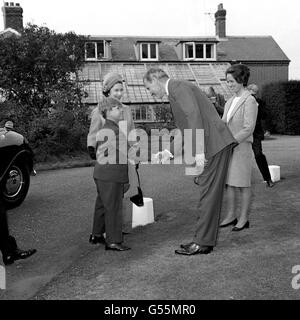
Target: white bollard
point(275, 173)
point(2, 278)
point(142, 216)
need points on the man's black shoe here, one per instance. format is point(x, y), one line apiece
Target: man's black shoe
point(186, 246)
point(18, 255)
point(193, 249)
point(96, 239)
point(116, 247)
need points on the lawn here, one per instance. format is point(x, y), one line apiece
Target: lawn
point(253, 264)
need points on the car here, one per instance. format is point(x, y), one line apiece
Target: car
point(16, 167)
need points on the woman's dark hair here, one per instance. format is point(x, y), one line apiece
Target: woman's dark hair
point(240, 72)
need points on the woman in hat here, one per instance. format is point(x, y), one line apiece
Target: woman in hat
point(113, 87)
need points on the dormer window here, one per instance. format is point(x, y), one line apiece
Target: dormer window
point(96, 50)
point(199, 51)
point(149, 51)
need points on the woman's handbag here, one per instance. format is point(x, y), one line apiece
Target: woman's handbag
point(138, 199)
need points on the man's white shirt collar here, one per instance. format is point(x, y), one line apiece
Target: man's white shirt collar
point(167, 87)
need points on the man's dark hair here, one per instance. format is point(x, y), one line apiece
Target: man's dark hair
point(155, 73)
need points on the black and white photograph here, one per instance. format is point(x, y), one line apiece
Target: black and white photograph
point(150, 153)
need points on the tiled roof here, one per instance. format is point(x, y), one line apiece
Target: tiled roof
point(202, 74)
point(239, 48)
point(250, 49)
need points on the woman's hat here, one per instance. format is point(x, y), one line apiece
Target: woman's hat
point(110, 80)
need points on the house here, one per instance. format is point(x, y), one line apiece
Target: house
point(201, 60)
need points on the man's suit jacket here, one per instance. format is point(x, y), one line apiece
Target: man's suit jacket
point(261, 116)
point(192, 109)
point(111, 165)
point(243, 117)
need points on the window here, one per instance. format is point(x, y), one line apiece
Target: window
point(209, 51)
point(149, 51)
point(199, 51)
point(143, 113)
point(189, 51)
point(95, 50)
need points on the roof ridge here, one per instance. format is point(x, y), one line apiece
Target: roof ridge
point(268, 36)
point(150, 37)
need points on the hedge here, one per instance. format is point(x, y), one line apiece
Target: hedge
point(282, 107)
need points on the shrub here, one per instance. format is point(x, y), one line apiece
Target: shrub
point(282, 107)
point(38, 71)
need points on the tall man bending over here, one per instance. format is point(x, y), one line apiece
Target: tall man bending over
point(193, 110)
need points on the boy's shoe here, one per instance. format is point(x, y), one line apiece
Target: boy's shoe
point(96, 239)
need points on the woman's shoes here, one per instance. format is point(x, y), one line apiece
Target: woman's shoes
point(246, 226)
point(232, 223)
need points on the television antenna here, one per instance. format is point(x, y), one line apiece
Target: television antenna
point(210, 14)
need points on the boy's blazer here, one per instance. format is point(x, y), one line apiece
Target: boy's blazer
point(111, 155)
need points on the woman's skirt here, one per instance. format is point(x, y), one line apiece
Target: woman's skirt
point(240, 166)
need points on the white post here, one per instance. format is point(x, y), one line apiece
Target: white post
point(2, 278)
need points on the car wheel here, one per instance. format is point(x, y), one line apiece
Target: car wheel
point(15, 185)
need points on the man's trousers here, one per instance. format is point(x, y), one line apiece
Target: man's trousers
point(261, 159)
point(211, 189)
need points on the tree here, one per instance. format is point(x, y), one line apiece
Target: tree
point(38, 78)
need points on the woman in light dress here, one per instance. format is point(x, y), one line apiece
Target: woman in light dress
point(240, 114)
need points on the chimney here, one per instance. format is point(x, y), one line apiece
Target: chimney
point(220, 23)
point(13, 16)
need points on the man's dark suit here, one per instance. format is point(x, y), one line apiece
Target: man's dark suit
point(110, 180)
point(192, 109)
point(258, 136)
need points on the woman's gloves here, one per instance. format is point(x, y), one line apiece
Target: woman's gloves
point(92, 153)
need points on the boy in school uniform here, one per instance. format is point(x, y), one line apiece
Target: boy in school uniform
point(111, 178)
